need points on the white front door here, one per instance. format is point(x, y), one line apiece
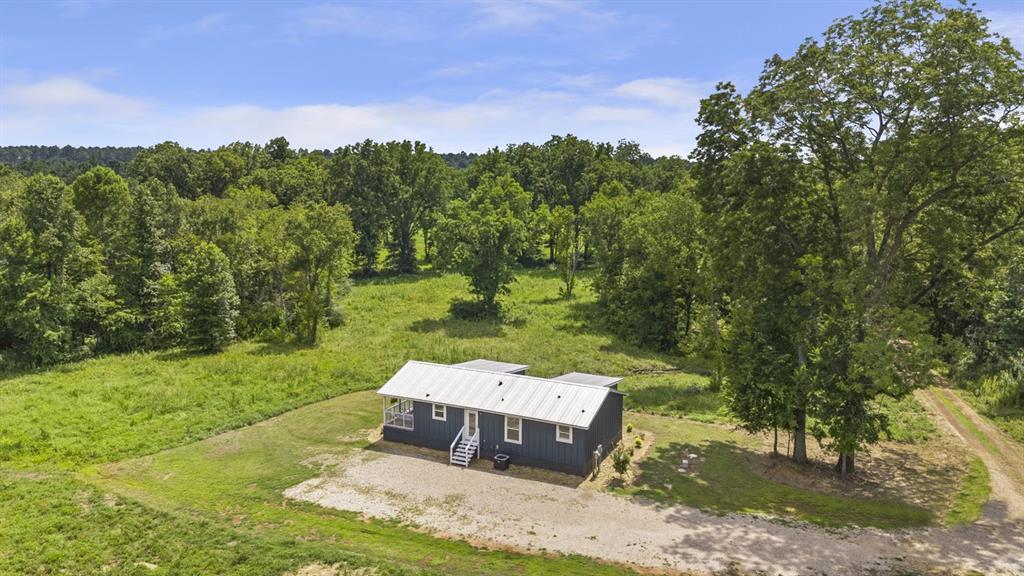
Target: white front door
point(470, 429)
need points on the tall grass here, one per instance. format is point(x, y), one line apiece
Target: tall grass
point(111, 408)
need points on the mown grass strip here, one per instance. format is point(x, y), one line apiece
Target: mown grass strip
point(968, 424)
point(972, 496)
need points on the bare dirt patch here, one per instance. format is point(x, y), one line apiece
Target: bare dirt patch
point(331, 570)
point(511, 511)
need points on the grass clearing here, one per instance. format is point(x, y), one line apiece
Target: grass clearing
point(723, 480)
point(236, 481)
point(108, 409)
point(57, 524)
point(219, 495)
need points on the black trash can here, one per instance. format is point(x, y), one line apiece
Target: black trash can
point(501, 461)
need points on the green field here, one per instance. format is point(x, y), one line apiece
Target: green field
point(87, 484)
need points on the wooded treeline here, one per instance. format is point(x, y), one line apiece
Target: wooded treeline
point(196, 247)
point(848, 230)
point(70, 162)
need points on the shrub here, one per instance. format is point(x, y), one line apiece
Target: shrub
point(629, 427)
point(638, 442)
point(620, 461)
point(1004, 389)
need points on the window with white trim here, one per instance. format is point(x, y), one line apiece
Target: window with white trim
point(513, 430)
point(440, 412)
point(563, 434)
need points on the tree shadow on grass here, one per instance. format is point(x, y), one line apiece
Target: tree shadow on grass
point(272, 348)
point(388, 278)
point(725, 478)
point(669, 397)
point(469, 319)
point(459, 328)
point(178, 354)
point(658, 477)
point(588, 318)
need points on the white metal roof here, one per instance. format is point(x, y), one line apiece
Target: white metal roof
point(551, 401)
point(492, 365)
point(592, 379)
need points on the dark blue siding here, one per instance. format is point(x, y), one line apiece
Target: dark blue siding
point(606, 429)
point(539, 446)
point(426, 431)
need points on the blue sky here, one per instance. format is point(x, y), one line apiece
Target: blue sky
point(457, 75)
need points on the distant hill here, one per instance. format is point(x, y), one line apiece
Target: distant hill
point(66, 161)
point(70, 161)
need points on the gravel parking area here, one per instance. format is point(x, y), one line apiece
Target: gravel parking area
point(555, 513)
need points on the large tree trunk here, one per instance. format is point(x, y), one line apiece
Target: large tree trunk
point(406, 250)
point(844, 466)
point(719, 369)
point(570, 282)
point(800, 432)
point(800, 438)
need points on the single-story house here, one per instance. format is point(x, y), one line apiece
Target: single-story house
point(483, 408)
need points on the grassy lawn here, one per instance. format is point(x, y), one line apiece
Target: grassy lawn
point(193, 510)
point(113, 408)
point(57, 524)
point(235, 482)
point(60, 420)
point(724, 481)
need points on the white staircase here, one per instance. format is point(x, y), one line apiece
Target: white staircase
point(463, 449)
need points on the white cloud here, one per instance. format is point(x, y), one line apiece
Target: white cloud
point(670, 92)
point(68, 94)
point(1008, 24)
point(581, 81)
point(73, 9)
point(209, 24)
point(466, 69)
point(353, 20)
point(525, 15)
point(69, 111)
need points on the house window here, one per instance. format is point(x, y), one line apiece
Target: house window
point(563, 434)
point(513, 430)
point(440, 412)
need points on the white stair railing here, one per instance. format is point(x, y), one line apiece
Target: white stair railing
point(462, 449)
point(451, 449)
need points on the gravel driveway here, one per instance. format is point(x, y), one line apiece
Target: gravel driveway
point(502, 510)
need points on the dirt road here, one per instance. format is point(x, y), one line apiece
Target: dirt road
point(1002, 456)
